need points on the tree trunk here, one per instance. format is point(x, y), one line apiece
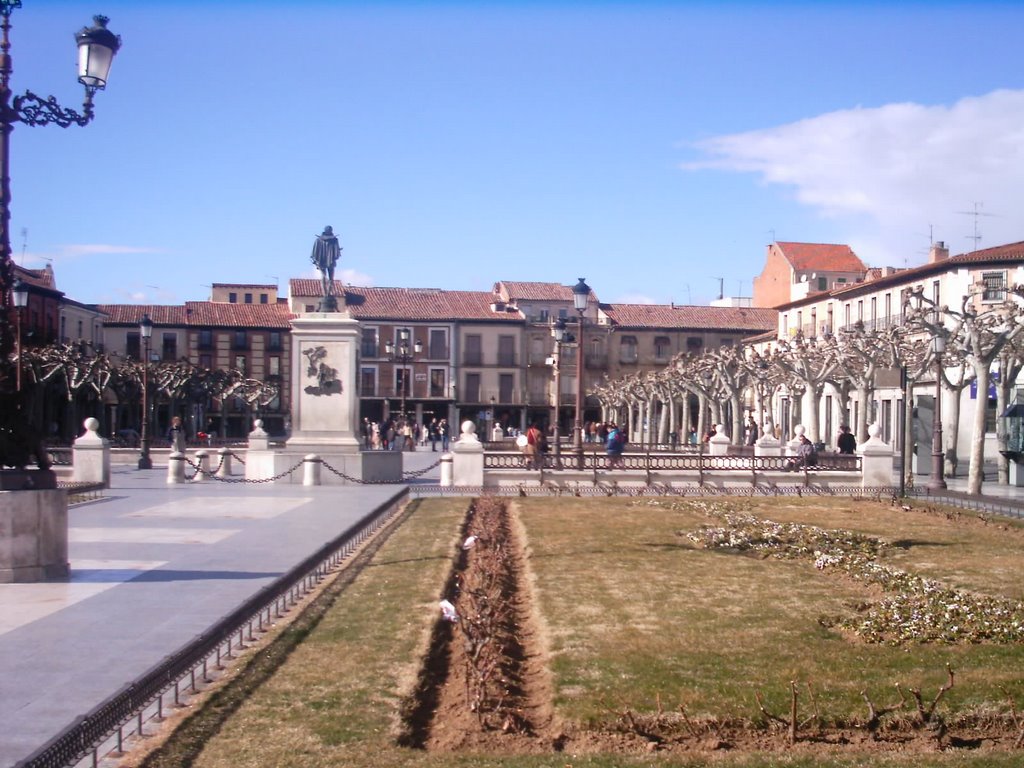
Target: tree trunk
point(975, 474)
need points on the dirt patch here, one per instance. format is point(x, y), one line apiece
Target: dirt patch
point(486, 686)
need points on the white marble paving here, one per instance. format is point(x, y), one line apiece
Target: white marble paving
point(21, 604)
point(149, 535)
point(214, 507)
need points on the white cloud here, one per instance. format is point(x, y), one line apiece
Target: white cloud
point(899, 168)
point(83, 249)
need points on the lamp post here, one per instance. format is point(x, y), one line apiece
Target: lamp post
point(146, 332)
point(558, 332)
point(937, 481)
point(20, 294)
point(403, 354)
point(580, 295)
point(96, 48)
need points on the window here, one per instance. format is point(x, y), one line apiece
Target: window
point(507, 351)
point(846, 312)
point(264, 298)
point(79, 327)
point(822, 283)
point(206, 361)
point(472, 394)
point(133, 345)
point(437, 381)
point(240, 363)
point(506, 381)
point(694, 343)
point(274, 366)
point(170, 347)
point(206, 338)
point(274, 341)
point(725, 343)
point(437, 348)
point(474, 352)
point(814, 322)
point(233, 298)
point(860, 311)
point(627, 349)
point(241, 340)
point(369, 342)
point(542, 316)
point(368, 382)
point(993, 286)
point(888, 307)
point(662, 347)
point(248, 298)
point(563, 313)
point(310, 308)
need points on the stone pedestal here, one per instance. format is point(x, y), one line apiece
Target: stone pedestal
point(718, 443)
point(91, 456)
point(33, 535)
point(467, 458)
point(876, 460)
point(324, 402)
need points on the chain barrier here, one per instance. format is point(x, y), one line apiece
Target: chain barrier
point(212, 473)
point(412, 474)
point(241, 480)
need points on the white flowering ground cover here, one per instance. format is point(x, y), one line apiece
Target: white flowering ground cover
point(915, 609)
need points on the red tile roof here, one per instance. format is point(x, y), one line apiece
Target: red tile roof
point(410, 303)
point(822, 256)
point(40, 278)
point(1009, 252)
point(670, 316)
point(201, 314)
point(513, 290)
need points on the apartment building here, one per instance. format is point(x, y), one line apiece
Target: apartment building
point(876, 301)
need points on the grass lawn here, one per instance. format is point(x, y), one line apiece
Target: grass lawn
point(634, 613)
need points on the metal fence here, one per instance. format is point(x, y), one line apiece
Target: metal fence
point(105, 726)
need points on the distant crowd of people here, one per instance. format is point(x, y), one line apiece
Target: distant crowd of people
point(398, 434)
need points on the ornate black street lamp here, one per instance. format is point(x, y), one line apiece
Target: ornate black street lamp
point(580, 296)
point(146, 332)
point(403, 354)
point(559, 334)
point(20, 295)
point(937, 481)
point(96, 48)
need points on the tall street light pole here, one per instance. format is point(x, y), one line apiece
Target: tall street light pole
point(580, 295)
point(937, 481)
point(558, 332)
point(404, 355)
point(146, 332)
point(20, 294)
point(96, 49)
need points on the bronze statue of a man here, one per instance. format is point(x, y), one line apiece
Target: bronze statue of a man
point(326, 252)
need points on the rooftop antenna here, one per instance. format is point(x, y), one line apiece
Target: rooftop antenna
point(976, 237)
point(689, 297)
point(277, 281)
point(721, 287)
point(773, 234)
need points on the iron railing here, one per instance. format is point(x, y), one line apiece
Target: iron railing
point(102, 729)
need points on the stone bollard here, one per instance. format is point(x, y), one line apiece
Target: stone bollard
point(718, 444)
point(203, 460)
point(175, 468)
point(876, 460)
point(793, 446)
point(224, 468)
point(311, 469)
point(91, 456)
point(446, 470)
point(468, 458)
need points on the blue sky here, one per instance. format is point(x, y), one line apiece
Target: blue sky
point(653, 148)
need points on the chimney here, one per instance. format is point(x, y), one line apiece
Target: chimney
point(939, 252)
